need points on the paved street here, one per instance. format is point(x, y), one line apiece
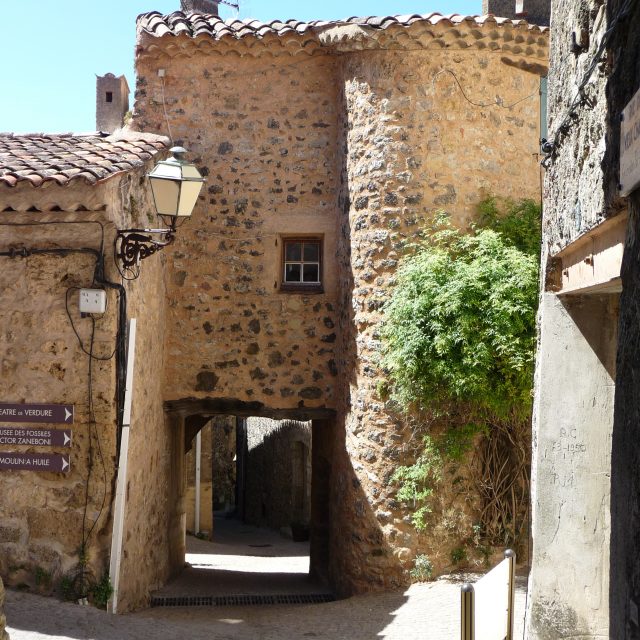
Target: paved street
point(232, 565)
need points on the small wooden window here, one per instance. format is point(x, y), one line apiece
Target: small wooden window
point(109, 96)
point(301, 264)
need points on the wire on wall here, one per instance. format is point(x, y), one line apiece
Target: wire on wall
point(99, 278)
point(494, 103)
point(580, 99)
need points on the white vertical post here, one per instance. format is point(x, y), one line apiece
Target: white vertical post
point(198, 460)
point(510, 555)
point(121, 484)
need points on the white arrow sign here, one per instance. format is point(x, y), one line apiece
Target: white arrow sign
point(65, 463)
point(67, 414)
point(67, 440)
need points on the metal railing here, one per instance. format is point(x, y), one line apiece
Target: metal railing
point(487, 605)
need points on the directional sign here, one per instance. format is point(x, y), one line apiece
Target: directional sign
point(32, 437)
point(42, 413)
point(630, 146)
point(35, 462)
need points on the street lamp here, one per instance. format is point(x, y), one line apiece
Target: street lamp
point(175, 185)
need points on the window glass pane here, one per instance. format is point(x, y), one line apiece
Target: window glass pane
point(311, 252)
point(293, 251)
point(311, 273)
point(292, 272)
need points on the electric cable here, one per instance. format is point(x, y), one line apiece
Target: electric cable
point(495, 103)
point(55, 222)
point(580, 98)
point(73, 326)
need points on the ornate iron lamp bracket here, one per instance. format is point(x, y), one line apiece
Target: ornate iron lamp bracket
point(134, 245)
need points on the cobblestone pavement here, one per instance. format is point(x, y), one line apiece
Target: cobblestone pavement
point(424, 612)
point(428, 611)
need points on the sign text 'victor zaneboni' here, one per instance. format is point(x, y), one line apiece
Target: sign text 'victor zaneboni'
point(28, 437)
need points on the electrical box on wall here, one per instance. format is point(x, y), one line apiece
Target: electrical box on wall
point(93, 301)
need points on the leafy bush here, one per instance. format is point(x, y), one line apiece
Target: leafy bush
point(422, 568)
point(459, 340)
point(102, 591)
point(458, 555)
point(460, 324)
point(517, 222)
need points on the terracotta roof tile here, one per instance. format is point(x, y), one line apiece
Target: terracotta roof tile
point(197, 24)
point(62, 158)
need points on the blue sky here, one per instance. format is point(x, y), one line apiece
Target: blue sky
point(52, 50)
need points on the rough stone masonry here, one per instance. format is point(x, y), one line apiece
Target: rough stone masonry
point(352, 134)
point(3, 622)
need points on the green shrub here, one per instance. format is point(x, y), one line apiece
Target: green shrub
point(460, 324)
point(102, 591)
point(459, 337)
point(422, 568)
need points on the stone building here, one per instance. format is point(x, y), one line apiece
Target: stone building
point(533, 11)
point(585, 579)
point(326, 146)
point(277, 473)
point(62, 197)
point(112, 102)
point(340, 139)
point(255, 469)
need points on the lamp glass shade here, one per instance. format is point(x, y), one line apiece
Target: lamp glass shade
point(175, 186)
point(189, 192)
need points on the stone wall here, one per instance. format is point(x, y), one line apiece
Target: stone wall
point(277, 482)
point(270, 162)
point(3, 621)
point(406, 135)
point(576, 198)
point(223, 460)
point(152, 456)
point(43, 520)
point(362, 148)
point(584, 579)
point(624, 594)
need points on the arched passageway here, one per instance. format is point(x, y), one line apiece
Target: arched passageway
point(261, 527)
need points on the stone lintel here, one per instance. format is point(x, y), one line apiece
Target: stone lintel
point(210, 407)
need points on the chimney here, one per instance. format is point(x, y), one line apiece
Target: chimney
point(533, 11)
point(200, 6)
point(112, 102)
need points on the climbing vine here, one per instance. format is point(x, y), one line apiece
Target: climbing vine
point(458, 346)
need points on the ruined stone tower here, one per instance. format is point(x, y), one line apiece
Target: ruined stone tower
point(199, 6)
point(533, 11)
point(112, 102)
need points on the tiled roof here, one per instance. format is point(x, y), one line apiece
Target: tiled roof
point(63, 158)
point(195, 24)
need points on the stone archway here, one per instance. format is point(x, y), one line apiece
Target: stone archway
point(188, 416)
